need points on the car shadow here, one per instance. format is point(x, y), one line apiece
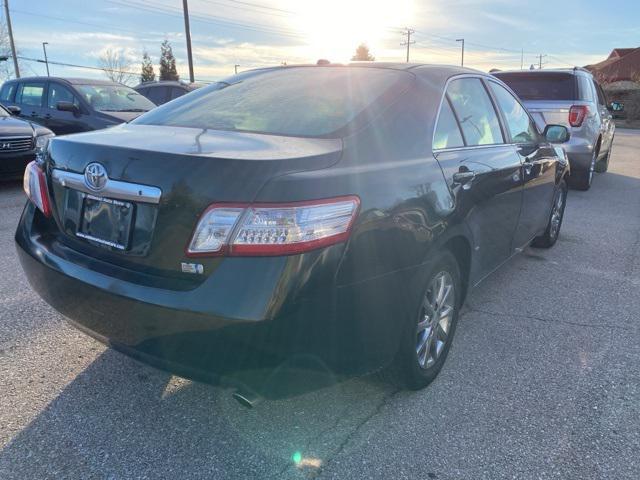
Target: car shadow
point(119, 415)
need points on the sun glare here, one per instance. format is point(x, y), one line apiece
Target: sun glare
point(332, 29)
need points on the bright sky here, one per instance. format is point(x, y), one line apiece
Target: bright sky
point(255, 33)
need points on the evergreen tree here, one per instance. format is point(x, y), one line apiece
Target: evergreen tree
point(167, 62)
point(362, 54)
point(147, 74)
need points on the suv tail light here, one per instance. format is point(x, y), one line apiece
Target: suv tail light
point(273, 229)
point(35, 186)
point(577, 114)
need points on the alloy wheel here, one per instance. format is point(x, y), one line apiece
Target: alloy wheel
point(592, 167)
point(556, 213)
point(435, 320)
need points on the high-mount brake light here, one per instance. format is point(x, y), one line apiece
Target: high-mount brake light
point(273, 228)
point(35, 186)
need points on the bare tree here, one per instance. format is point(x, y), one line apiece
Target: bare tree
point(117, 66)
point(6, 67)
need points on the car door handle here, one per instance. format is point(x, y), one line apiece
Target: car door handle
point(463, 178)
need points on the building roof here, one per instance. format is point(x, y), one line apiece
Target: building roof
point(623, 64)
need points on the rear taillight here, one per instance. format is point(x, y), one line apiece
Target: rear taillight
point(273, 229)
point(577, 114)
point(35, 186)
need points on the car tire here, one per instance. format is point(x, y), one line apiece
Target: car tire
point(427, 340)
point(603, 165)
point(550, 236)
point(582, 179)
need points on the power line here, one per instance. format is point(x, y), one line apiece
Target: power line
point(209, 19)
point(89, 67)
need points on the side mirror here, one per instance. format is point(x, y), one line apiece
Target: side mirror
point(14, 109)
point(616, 107)
point(556, 134)
point(67, 107)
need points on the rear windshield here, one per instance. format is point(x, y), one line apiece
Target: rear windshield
point(540, 86)
point(295, 101)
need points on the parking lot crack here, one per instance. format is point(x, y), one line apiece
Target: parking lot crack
point(347, 439)
point(469, 308)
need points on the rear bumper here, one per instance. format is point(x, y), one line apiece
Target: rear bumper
point(228, 321)
point(579, 152)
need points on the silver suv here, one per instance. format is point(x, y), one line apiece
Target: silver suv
point(569, 97)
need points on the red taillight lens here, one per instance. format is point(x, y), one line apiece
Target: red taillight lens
point(577, 114)
point(35, 186)
point(273, 229)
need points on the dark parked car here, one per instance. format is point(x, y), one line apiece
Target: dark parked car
point(165, 90)
point(336, 212)
point(19, 142)
point(70, 105)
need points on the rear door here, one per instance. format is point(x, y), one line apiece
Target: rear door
point(30, 97)
point(63, 122)
point(484, 173)
point(539, 164)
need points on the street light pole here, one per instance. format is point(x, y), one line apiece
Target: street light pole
point(461, 40)
point(46, 60)
point(236, 68)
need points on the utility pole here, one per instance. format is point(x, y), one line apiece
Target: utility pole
point(409, 42)
point(235, 67)
point(540, 57)
point(461, 40)
point(46, 60)
point(13, 45)
point(522, 60)
point(187, 32)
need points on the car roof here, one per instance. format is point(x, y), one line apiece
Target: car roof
point(152, 83)
point(571, 71)
point(69, 80)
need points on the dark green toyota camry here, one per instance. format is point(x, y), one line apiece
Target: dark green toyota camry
point(335, 212)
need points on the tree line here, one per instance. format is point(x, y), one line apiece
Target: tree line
point(117, 66)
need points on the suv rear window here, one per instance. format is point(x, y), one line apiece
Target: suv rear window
point(294, 101)
point(541, 86)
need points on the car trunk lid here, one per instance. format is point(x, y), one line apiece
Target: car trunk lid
point(186, 168)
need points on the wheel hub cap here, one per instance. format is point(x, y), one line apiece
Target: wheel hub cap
point(435, 319)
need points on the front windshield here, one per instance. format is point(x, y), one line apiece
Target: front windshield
point(302, 101)
point(114, 98)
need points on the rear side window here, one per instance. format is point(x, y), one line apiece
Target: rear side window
point(157, 95)
point(177, 92)
point(7, 92)
point(602, 98)
point(586, 89)
point(541, 86)
point(447, 133)
point(31, 94)
point(295, 101)
point(518, 122)
point(474, 109)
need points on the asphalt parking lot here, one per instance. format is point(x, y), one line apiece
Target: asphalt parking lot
point(543, 380)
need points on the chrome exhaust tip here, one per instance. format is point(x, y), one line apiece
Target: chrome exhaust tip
point(246, 399)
